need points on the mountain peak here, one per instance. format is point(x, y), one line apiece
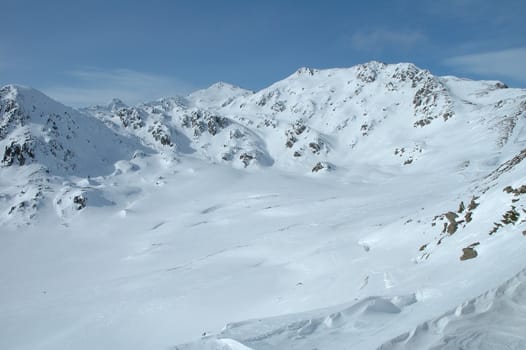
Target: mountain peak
point(20, 92)
point(374, 64)
point(218, 94)
point(306, 71)
point(116, 104)
point(220, 86)
point(223, 85)
point(28, 99)
point(8, 92)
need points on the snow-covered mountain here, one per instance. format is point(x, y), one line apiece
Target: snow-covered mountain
point(372, 113)
point(377, 206)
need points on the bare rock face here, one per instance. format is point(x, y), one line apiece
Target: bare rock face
point(11, 113)
point(322, 166)
point(453, 225)
point(203, 121)
point(246, 158)
point(368, 72)
point(18, 154)
point(130, 118)
point(469, 252)
point(431, 101)
point(161, 133)
point(80, 201)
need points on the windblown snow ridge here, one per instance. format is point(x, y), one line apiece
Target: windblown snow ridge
point(492, 321)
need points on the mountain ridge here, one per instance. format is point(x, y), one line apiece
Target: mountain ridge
point(377, 206)
point(311, 121)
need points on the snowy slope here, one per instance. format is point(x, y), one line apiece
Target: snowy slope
point(376, 206)
point(44, 143)
point(409, 271)
point(36, 129)
point(494, 320)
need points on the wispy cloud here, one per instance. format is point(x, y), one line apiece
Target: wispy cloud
point(92, 86)
point(380, 39)
point(504, 63)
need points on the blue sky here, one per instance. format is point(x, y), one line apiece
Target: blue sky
point(85, 52)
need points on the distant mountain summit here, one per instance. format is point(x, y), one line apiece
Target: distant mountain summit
point(397, 117)
point(217, 95)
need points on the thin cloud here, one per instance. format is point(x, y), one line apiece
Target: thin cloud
point(381, 39)
point(95, 86)
point(504, 63)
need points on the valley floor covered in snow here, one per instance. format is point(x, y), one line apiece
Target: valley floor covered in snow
point(177, 252)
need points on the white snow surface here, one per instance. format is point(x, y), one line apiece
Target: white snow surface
point(371, 207)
